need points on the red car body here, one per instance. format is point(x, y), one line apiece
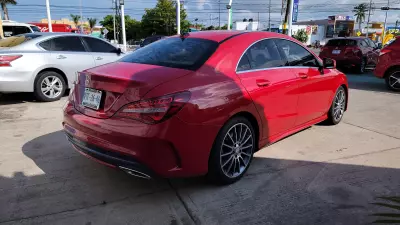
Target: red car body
point(351, 52)
point(389, 64)
point(44, 27)
point(278, 102)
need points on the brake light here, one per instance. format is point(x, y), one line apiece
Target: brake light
point(384, 51)
point(156, 110)
point(5, 60)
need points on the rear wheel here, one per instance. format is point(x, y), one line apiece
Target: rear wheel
point(393, 80)
point(361, 67)
point(232, 152)
point(49, 86)
point(338, 107)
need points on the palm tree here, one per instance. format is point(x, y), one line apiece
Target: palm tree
point(359, 12)
point(4, 7)
point(92, 23)
point(75, 19)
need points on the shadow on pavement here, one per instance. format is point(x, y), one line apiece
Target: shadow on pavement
point(17, 98)
point(70, 189)
point(368, 82)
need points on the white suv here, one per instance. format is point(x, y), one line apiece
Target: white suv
point(12, 28)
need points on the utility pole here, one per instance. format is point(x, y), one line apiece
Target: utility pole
point(178, 17)
point(229, 7)
point(258, 20)
point(49, 16)
point(210, 20)
point(369, 15)
point(290, 17)
point(81, 17)
point(286, 20)
point(384, 26)
point(269, 16)
point(122, 5)
point(115, 12)
point(219, 14)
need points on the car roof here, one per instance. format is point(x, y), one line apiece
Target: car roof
point(222, 35)
point(14, 23)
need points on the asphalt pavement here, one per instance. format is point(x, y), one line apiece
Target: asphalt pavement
point(322, 175)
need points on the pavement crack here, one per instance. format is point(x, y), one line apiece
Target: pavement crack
point(191, 214)
point(388, 135)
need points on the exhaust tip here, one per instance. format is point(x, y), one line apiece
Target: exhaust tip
point(135, 173)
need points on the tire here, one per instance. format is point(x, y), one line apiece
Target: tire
point(391, 82)
point(361, 67)
point(338, 103)
point(236, 132)
point(44, 81)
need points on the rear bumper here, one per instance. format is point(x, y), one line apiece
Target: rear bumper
point(13, 80)
point(344, 61)
point(172, 148)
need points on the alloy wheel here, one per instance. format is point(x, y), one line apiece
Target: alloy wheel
point(394, 81)
point(236, 150)
point(362, 66)
point(339, 105)
point(51, 86)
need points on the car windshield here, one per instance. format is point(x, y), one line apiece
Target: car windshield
point(341, 42)
point(183, 53)
point(35, 29)
point(17, 40)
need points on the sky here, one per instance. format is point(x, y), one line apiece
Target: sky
point(206, 11)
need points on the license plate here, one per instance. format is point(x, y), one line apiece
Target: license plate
point(91, 98)
point(336, 52)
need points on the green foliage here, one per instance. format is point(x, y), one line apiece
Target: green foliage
point(4, 4)
point(359, 12)
point(132, 26)
point(92, 22)
point(75, 19)
point(392, 217)
point(301, 35)
point(162, 19)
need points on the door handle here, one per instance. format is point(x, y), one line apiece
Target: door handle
point(263, 83)
point(61, 57)
point(303, 75)
point(99, 58)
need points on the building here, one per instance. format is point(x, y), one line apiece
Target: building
point(66, 21)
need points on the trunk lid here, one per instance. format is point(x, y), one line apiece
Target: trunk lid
point(121, 83)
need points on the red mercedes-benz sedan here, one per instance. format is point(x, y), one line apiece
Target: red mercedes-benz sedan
point(201, 103)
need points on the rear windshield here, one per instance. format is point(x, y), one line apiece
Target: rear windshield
point(16, 40)
point(35, 29)
point(341, 42)
point(187, 53)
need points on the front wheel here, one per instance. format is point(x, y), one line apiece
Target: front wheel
point(393, 80)
point(49, 86)
point(232, 152)
point(361, 67)
point(338, 107)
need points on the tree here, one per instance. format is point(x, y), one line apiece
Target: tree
point(301, 35)
point(244, 20)
point(359, 13)
point(75, 19)
point(4, 4)
point(133, 27)
point(92, 23)
point(162, 19)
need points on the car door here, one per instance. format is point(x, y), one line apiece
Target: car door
point(366, 51)
point(374, 52)
point(68, 54)
point(271, 86)
point(102, 51)
point(315, 85)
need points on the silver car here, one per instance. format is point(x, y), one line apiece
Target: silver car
point(46, 63)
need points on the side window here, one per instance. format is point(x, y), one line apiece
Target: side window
point(264, 54)
point(8, 31)
point(363, 44)
point(296, 54)
point(371, 43)
point(68, 44)
point(96, 45)
point(46, 45)
point(244, 63)
point(21, 30)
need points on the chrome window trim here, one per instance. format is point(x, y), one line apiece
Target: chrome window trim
point(274, 68)
point(254, 70)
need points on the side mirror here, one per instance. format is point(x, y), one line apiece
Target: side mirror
point(379, 45)
point(118, 51)
point(329, 63)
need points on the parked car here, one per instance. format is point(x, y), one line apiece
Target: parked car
point(12, 28)
point(202, 103)
point(151, 39)
point(47, 63)
point(388, 67)
point(355, 52)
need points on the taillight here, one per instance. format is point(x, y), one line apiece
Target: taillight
point(384, 51)
point(5, 60)
point(156, 110)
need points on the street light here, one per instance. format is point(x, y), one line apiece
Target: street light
point(121, 3)
point(49, 16)
point(229, 8)
point(178, 17)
